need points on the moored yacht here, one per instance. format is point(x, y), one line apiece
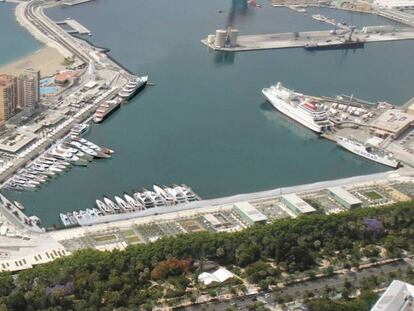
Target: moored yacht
point(112, 205)
point(124, 205)
point(134, 203)
point(103, 207)
point(65, 219)
point(133, 87)
point(146, 201)
point(169, 198)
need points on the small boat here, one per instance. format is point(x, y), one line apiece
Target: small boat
point(65, 219)
point(19, 205)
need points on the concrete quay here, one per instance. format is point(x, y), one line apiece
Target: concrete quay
point(75, 25)
point(301, 39)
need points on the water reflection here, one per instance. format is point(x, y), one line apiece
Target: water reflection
point(223, 58)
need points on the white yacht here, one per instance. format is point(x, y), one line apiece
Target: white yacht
point(80, 129)
point(112, 205)
point(368, 152)
point(179, 197)
point(296, 106)
point(133, 87)
point(169, 198)
point(124, 205)
point(103, 207)
point(65, 219)
point(156, 198)
point(146, 201)
point(134, 203)
point(187, 192)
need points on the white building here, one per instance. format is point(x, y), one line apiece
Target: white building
point(297, 205)
point(394, 4)
point(220, 275)
point(399, 296)
point(249, 213)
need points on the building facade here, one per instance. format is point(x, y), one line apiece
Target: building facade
point(8, 97)
point(28, 89)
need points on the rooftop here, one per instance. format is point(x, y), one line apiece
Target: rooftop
point(393, 121)
point(398, 296)
point(250, 211)
point(301, 205)
point(345, 195)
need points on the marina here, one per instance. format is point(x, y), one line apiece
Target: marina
point(160, 196)
point(73, 150)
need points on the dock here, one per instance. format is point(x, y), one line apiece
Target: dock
point(75, 2)
point(303, 39)
point(75, 25)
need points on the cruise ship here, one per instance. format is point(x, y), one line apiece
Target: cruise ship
point(296, 106)
point(133, 87)
point(106, 109)
point(368, 152)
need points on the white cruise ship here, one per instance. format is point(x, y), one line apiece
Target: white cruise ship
point(368, 152)
point(296, 106)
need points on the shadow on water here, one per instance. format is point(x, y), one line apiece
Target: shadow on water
point(280, 120)
point(223, 58)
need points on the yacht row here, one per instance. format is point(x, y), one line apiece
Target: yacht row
point(132, 88)
point(55, 161)
point(138, 201)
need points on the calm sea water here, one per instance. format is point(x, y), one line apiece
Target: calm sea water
point(205, 122)
point(15, 41)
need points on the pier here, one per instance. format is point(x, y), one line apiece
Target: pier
point(75, 25)
point(302, 39)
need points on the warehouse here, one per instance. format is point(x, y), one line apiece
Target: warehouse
point(344, 198)
point(297, 205)
point(249, 214)
point(393, 122)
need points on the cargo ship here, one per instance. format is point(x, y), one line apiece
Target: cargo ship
point(106, 109)
point(332, 45)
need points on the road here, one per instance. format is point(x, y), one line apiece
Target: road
point(296, 290)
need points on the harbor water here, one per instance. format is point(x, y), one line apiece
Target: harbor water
point(205, 122)
point(15, 41)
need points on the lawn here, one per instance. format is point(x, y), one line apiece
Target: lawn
point(373, 195)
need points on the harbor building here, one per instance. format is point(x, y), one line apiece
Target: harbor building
point(297, 205)
point(344, 198)
point(249, 213)
point(8, 96)
point(393, 122)
point(28, 89)
point(398, 296)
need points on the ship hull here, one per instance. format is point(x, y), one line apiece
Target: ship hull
point(136, 92)
point(108, 113)
point(291, 112)
point(358, 150)
point(336, 46)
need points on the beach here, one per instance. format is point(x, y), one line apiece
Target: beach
point(47, 59)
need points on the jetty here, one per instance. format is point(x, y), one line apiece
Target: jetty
point(323, 38)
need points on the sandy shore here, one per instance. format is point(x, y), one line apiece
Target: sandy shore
point(47, 59)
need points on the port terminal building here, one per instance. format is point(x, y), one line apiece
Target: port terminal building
point(297, 205)
point(344, 198)
point(393, 122)
point(249, 213)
